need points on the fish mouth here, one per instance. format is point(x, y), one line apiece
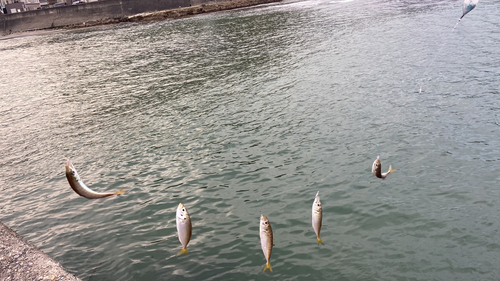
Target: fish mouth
point(68, 165)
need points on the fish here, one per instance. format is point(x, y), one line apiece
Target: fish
point(266, 240)
point(467, 6)
point(184, 227)
point(80, 188)
point(317, 216)
point(377, 169)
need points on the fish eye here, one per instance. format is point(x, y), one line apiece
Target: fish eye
point(318, 205)
point(183, 210)
point(266, 222)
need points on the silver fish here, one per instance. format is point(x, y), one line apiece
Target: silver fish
point(377, 169)
point(317, 216)
point(184, 228)
point(80, 188)
point(467, 6)
point(266, 239)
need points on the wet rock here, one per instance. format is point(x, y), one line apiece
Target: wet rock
point(19, 260)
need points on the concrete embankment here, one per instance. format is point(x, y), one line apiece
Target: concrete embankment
point(19, 260)
point(114, 11)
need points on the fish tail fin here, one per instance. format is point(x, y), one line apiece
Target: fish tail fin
point(268, 265)
point(391, 169)
point(184, 250)
point(121, 191)
point(320, 241)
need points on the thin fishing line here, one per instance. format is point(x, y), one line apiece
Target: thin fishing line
point(439, 50)
point(467, 6)
point(443, 42)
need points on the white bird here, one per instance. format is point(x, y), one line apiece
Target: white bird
point(467, 7)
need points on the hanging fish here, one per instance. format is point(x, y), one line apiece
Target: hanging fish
point(80, 188)
point(184, 228)
point(377, 169)
point(266, 240)
point(317, 216)
point(467, 7)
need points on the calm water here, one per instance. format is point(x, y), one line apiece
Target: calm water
point(252, 111)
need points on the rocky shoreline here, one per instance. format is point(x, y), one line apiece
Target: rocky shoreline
point(20, 260)
point(176, 13)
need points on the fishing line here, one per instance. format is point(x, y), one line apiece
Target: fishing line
point(433, 60)
point(468, 5)
point(95, 269)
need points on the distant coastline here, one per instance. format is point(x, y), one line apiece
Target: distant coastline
point(113, 11)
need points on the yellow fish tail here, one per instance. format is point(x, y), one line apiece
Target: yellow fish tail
point(391, 169)
point(320, 241)
point(268, 265)
point(121, 191)
point(184, 250)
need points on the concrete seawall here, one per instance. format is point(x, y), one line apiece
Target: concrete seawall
point(112, 11)
point(19, 260)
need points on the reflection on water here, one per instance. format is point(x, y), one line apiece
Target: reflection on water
point(252, 111)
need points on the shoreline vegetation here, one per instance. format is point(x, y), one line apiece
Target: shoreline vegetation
point(151, 16)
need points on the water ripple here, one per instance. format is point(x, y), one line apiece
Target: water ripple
point(252, 111)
